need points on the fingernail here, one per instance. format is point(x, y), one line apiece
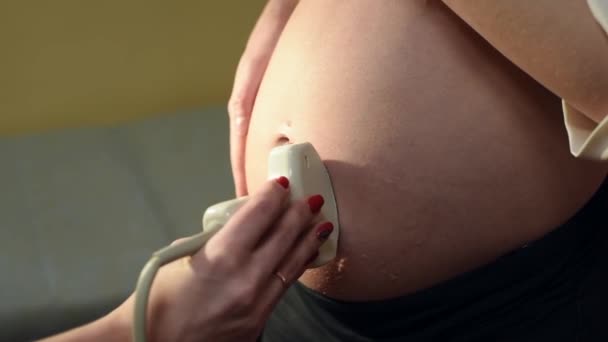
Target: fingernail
point(313, 257)
point(315, 203)
point(283, 181)
point(324, 230)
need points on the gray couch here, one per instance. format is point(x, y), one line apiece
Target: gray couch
point(81, 210)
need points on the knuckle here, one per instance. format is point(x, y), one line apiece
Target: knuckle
point(225, 262)
point(265, 205)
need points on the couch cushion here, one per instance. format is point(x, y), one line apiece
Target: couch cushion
point(82, 210)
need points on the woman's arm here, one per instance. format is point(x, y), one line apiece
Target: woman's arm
point(249, 73)
point(558, 42)
point(226, 290)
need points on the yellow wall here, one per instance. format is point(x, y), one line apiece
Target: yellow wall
point(66, 63)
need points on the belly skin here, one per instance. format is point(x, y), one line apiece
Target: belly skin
point(443, 155)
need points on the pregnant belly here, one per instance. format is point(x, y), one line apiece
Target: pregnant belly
point(443, 155)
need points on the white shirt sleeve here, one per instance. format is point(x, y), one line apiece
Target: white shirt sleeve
point(588, 140)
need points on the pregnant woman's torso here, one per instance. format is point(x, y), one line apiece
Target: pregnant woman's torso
point(442, 154)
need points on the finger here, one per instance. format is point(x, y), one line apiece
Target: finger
point(304, 252)
point(270, 295)
point(252, 221)
point(288, 229)
point(295, 263)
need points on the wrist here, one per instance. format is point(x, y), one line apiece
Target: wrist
point(117, 323)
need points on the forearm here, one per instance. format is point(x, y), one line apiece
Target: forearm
point(108, 328)
point(558, 42)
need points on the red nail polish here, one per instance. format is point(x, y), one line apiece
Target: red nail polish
point(315, 203)
point(324, 230)
point(283, 181)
